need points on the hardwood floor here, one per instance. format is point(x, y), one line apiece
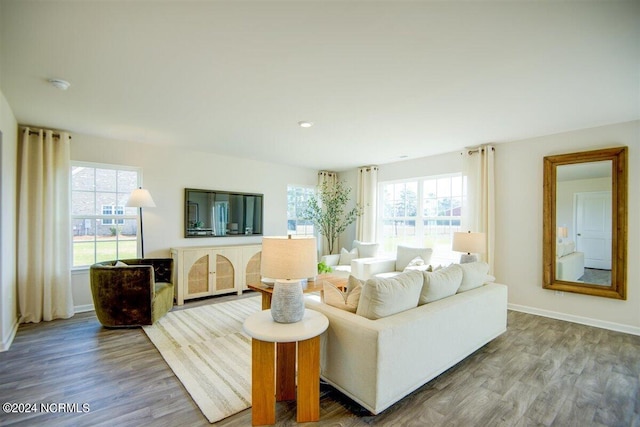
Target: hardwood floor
point(540, 372)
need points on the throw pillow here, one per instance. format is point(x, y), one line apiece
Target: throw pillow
point(384, 297)
point(440, 284)
point(334, 297)
point(120, 264)
point(417, 264)
point(366, 249)
point(353, 283)
point(404, 255)
point(474, 275)
point(346, 256)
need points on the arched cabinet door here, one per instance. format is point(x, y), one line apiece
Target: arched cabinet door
point(252, 257)
point(225, 274)
point(205, 271)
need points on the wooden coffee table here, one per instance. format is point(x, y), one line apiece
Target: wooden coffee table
point(312, 286)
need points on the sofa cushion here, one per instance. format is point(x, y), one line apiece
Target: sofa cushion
point(474, 275)
point(348, 300)
point(404, 255)
point(346, 256)
point(384, 297)
point(440, 284)
point(366, 249)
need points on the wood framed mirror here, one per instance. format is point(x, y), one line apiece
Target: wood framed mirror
point(585, 223)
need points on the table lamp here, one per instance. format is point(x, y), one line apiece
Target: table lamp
point(563, 232)
point(288, 260)
point(471, 243)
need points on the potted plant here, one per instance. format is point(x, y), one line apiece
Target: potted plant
point(327, 210)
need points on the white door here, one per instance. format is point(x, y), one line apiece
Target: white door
point(593, 228)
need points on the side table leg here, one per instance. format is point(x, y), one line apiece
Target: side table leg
point(286, 371)
point(308, 380)
point(266, 300)
point(263, 398)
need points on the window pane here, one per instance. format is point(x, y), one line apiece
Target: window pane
point(127, 182)
point(82, 178)
point(83, 203)
point(106, 180)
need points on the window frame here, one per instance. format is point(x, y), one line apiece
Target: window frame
point(114, 218)
point(313, 190)
point(418, 236)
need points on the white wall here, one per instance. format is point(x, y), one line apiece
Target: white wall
point(519, 174)
point(425, 166)
point(8, 184)
point(519, 221)
point(167, 171)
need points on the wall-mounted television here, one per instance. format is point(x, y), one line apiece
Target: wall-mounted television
point(213, 213)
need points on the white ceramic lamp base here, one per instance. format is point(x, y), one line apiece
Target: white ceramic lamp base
point(465, 258)
point(287, 301)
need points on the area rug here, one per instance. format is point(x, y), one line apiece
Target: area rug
point(210, 354)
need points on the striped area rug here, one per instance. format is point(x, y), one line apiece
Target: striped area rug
point(210, 354)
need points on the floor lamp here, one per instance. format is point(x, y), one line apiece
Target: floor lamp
point(141, 198)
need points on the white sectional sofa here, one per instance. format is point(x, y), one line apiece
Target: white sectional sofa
point(378, 362)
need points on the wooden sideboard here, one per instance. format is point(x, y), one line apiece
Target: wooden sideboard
point(201, 271)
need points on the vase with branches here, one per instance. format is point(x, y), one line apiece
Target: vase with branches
point(328, 211)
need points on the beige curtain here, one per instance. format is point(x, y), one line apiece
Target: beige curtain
point(479, 215)
point(329, 177)
point(367, 199)
point(44, 252)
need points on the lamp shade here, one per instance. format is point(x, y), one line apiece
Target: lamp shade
point(140, 198)
point(289, 257)
point(563, 232)
point(471, 243)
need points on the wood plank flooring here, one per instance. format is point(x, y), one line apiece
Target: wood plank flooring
point(541, 372)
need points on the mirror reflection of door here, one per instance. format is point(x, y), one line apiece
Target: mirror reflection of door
point(593, 228)
point(583, 214)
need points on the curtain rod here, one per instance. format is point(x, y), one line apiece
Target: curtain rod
point(55, 134)
point(479, 150)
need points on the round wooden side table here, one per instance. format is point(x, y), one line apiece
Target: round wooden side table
point(269, 386)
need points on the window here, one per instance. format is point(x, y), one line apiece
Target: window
point(422, 212)
point(103, 228)
point(109, 210)
point(297, 198)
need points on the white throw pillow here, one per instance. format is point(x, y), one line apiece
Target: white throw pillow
point(120, 264)
point(384, 297)
point(346, 256)
point(404, 255)
point(366, 249)
point(334, 297)
point(440, 284)
point(417, 264)
point(474, 275)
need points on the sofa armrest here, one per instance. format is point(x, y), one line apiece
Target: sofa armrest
point(366, 268)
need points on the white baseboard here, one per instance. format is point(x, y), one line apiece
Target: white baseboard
point(83, 308)
point(612, 326)
point(5, 344)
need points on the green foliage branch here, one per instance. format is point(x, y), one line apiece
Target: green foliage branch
point(327, 211)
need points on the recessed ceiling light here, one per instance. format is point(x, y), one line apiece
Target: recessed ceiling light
point(60, 84)
point(304, 124)
point(404, 156)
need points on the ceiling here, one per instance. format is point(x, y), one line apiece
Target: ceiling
point(381, 81)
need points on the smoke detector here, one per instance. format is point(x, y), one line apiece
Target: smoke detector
point(60, 84)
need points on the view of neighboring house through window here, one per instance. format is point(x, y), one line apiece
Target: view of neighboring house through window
point(103, 228)
point(422, 212)
point(297, 198)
